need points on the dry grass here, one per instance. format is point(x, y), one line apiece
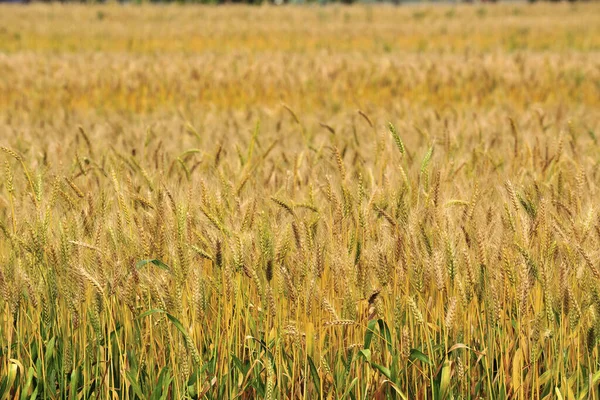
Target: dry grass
point(211, 203)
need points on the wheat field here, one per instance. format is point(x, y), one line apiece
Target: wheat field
point(365, 202)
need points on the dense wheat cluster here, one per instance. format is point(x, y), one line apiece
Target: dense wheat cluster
point(300, 203)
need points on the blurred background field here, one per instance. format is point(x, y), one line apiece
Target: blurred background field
point(210, 202)
point(150, 59)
